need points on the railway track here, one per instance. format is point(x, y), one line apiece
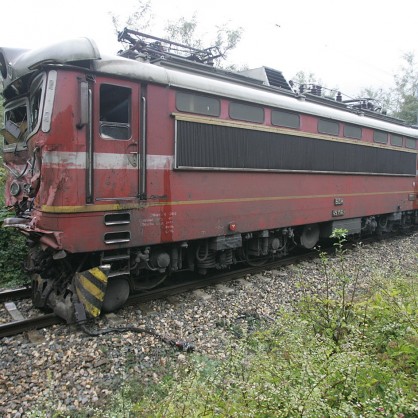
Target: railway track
point(43, 321)
point(38, 322)
point(15, 294)
point(178, 287)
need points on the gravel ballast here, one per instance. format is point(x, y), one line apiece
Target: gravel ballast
point(61, 368)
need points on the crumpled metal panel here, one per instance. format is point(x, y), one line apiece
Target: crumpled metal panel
point(15, 63)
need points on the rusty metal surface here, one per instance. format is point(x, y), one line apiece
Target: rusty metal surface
point(201, 282)
point(17, 327)
point(15, 294)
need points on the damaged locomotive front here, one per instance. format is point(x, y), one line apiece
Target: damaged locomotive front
point(35, 125)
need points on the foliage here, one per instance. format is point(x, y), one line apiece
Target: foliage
point(185, 31)
point(381, 98)
point(182, 30)
point(139, 18)
point(12, 244)
point(304, 82)
point(402, 100)
point(12, 247)
point(406, 90)
point(289, 371)
point(1, 123)
point(342, 353)
point(331, 312)
point(13, 252)
point(302, 78)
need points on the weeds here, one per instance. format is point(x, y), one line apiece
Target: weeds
point(13, 250)
point(339, 353)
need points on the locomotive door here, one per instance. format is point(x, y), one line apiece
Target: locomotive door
point(115, 140)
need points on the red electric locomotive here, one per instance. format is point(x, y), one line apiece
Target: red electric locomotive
point(124, 170)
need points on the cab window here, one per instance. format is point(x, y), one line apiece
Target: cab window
point(115, 112)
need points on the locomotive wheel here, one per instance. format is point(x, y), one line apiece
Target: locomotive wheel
point(117, 294)
point(310, 236)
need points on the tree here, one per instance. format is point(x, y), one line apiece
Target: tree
point(381, 98)
point(185, 31)
point(139, 18)
point(406, 90)
point(309, 82)
point(400, 101)
point(182, 30)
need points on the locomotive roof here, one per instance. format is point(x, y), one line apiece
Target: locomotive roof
point(15, 64)
point(256, 93)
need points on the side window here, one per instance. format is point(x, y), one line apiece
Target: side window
point(287, 119)
point(352, 131)
point(115, 112)
point(396, 140)
point(380, 137)
point(328, 127)
point(195, 103)
point(249, 113)
point(410, 143)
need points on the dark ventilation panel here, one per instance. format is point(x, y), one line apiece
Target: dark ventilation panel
point(269, 77)
point(276, 79)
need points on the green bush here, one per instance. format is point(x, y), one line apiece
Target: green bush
point(296, 366)
point(336, 354)
point(13, 250)
point(13, 253)
point(288, 371)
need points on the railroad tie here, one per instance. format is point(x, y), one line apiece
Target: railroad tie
point(34, 336)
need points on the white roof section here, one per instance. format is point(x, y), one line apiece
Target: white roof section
point(17, 63)
point(232, 89)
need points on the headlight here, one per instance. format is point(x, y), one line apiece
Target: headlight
point(14, 188)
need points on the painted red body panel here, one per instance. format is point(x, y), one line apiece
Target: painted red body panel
point(182, 205)
point(202, 205)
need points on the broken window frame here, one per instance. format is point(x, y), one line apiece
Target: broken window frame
point(37, 87)
point(20, 143)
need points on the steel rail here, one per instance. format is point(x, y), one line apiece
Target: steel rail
point(212, 280)
point(15, 294)
point(18, 327)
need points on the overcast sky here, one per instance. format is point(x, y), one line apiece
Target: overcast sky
point(348, 44)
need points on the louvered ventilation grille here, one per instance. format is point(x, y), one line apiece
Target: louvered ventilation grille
point(276, 79)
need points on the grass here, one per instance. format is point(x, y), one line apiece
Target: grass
point(343, 355)
point(13, 250)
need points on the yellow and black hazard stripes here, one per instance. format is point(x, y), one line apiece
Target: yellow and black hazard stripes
point(91, 288)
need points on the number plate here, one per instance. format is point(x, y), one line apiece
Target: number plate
point(337, 212)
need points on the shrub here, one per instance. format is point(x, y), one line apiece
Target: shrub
point(289, 370)
point(297, 368)
point(12, 247)
point(336, 354)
